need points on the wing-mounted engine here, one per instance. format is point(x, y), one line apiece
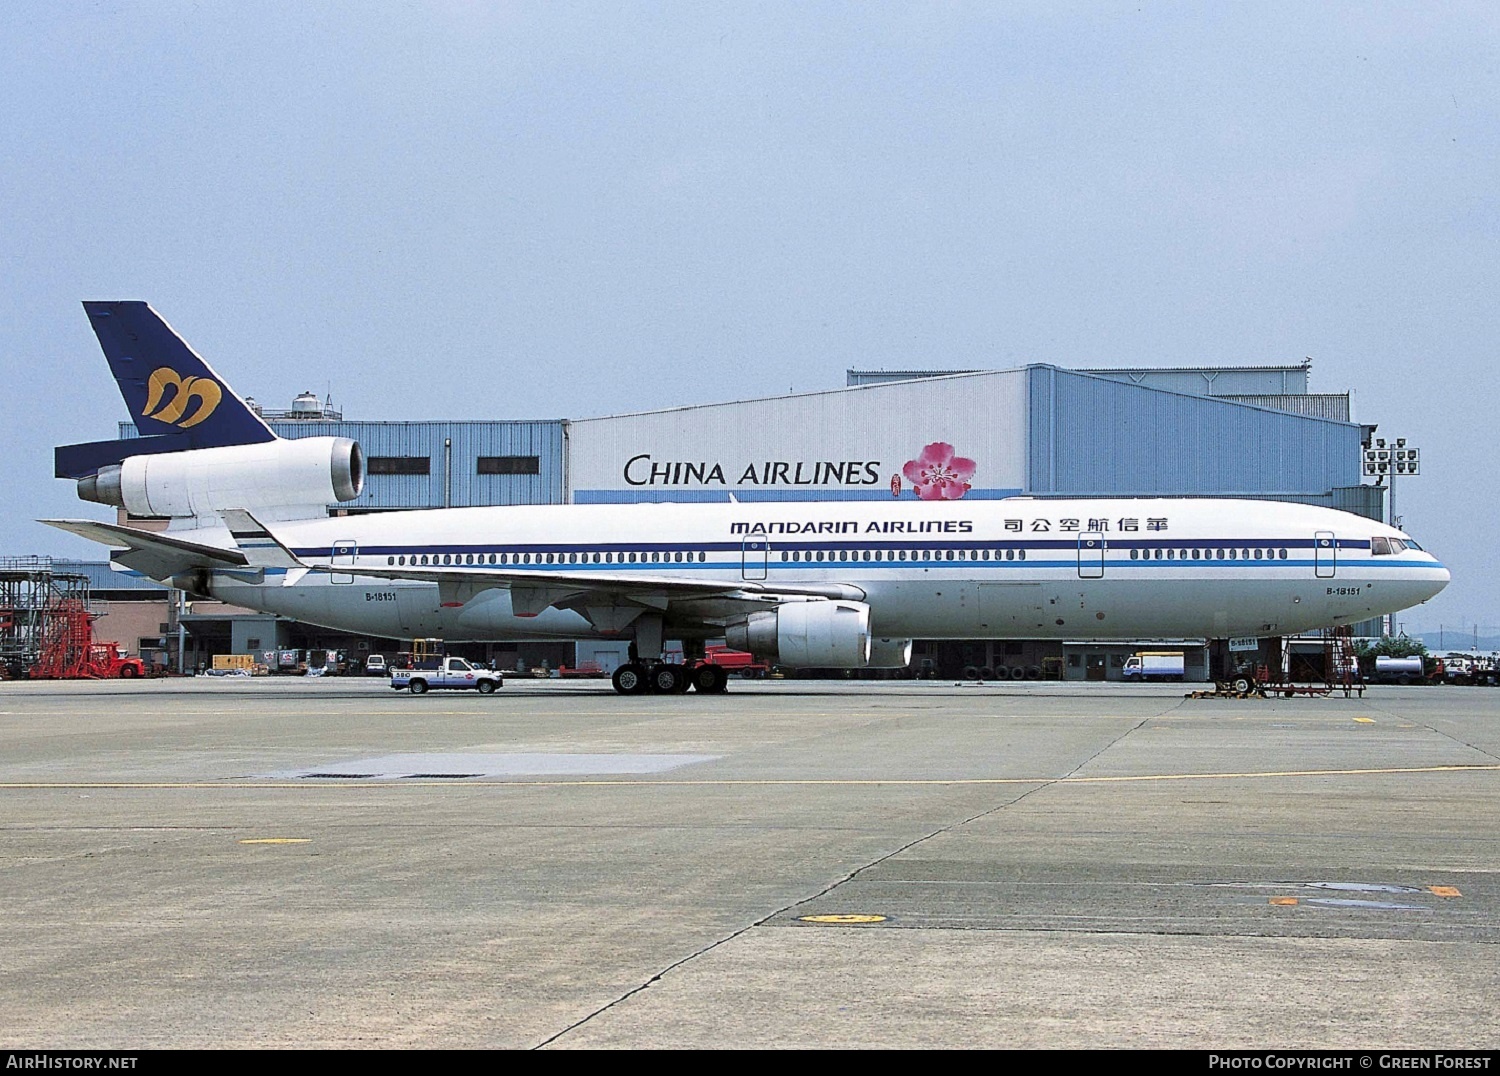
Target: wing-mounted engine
point(806, 635)
point(281, 478)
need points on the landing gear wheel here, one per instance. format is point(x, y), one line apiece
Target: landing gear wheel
point(665, 679)
point(711, 679)
point(629, 679)
point(684, 680)
point(703, 677)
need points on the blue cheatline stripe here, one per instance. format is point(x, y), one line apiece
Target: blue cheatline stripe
point(775, 561)
point(1113, 568)
point(659, 494)
point(777, 565)
point(829, 542)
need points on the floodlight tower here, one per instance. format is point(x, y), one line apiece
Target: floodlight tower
point(1384, 461)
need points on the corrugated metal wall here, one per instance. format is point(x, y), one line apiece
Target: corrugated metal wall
point(1367, 501)
point(1212, 380)
point(453, 477)
point(1090, 435)
point(1333, 405)
point(102, 577)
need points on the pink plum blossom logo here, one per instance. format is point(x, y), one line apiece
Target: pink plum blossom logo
point(938, 475)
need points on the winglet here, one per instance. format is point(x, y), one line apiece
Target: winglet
point(261, 548)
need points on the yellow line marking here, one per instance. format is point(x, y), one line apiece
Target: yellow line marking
point(936, 782)
point(277, 840)
point(841, 919)
point(1444, 891)
point(1285, 902)
point(1365, 720)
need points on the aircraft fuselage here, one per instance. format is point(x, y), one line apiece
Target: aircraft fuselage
point(1021, 568)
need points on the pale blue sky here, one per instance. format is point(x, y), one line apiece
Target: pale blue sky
point(536, 210)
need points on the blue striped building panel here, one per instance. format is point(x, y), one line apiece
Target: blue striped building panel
point(1094, 436)
point(102, 577)
point(453, 450)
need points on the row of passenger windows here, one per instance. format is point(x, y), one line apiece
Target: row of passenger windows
point(839, 556)
point(550, 558)
point(904, 554)
point(1208, 554)
point(820, 556)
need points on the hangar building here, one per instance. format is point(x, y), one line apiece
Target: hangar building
point(1037, 431)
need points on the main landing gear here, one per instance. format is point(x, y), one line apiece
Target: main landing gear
point(660, 678)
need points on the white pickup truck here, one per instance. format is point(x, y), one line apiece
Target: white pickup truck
point(451, 673)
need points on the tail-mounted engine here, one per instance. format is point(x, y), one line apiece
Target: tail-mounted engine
point(309, 473)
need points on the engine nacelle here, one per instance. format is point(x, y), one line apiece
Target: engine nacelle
point(807, 635)
point(890, 653)
point(307, 473)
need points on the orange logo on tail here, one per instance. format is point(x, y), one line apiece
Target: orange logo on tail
point(170, 408)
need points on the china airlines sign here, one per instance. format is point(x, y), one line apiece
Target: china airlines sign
point(936, 473)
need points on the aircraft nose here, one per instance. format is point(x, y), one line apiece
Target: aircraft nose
point(1434, 581)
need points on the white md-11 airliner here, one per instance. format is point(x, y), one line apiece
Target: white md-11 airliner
point(803, 584)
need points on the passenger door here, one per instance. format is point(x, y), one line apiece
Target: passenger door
point(754, 555)
point(1325, 554)
point(342, 555)
point(1091, 555)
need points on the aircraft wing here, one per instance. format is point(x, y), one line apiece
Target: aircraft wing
point(533, 591)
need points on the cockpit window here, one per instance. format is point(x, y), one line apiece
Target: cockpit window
point(1380, 547)
point(1412, 545)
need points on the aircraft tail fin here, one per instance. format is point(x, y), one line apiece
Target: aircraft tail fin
point(169, 389)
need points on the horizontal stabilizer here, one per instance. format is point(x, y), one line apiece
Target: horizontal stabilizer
point(80, 461)
point(181, 553)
